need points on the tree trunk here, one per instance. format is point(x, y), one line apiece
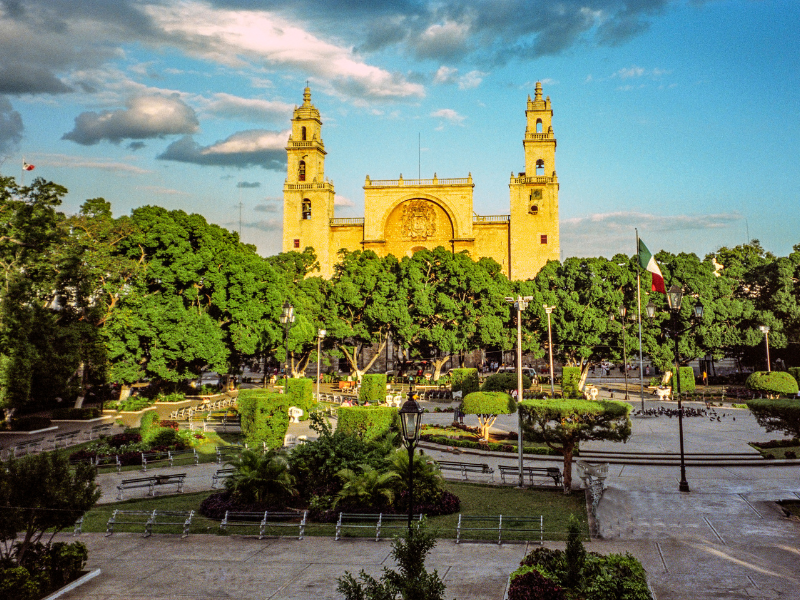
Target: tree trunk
point(568, 450)
point(437, 367)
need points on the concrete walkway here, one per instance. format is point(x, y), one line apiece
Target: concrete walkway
point(726, 539)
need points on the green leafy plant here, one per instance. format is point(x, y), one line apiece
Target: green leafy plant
point(570, 382)
point(504, 382)
point(369, 489)
point(487, 405)
point(368, 422)
point(465, 380)
point(686, 379)
point(264, 417)
point(261, 477)
point(373, 389)
point(772, 383)
point(300, 394)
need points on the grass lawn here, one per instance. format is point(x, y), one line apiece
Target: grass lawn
point(475, 500)
point(778, 452)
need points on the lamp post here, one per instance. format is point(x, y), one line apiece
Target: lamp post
point(410, 421)
point(287, 318)
point(548, 310)
point(674, 298)
point(321, 333)
point(520, 304)
point(622, 312)
point(765, 330)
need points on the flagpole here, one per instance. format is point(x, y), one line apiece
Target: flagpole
point(639, 312)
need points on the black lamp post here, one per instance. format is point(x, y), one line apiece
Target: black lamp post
point(287, 318)
point(622, 312)
point(410, 421)
point(674, 297)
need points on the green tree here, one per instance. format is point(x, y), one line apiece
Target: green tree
point(367, 487)
point(455, 305)
point(563, 424)
point(486, 406)
point(40, 494)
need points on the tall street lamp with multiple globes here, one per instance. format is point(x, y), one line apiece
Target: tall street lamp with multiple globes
point(548, 310)
point(674, 297)
point(622, 312)
point(287, 318)
point(410, 422)
point(321, 333)
point(765, 330)
point(520, 303)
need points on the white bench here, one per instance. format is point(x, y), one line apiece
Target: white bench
point(376, 522)
point(499, 524)
point(265, 520)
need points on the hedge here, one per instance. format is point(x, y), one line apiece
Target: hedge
point(504, 382)
point(686, 379)
point(367, 422)
point(75, 414)
point(772, 382)
point(794, 372)
point(149, 426)
point(570, 382)
point(464, 380)
point(373, 389)
point(301, 394)
point(488, 403)
point(264, 416)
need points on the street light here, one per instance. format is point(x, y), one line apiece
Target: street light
point(548, 310)
point(622, 312)
point(410, 421)
point(765, 330)
point(674, 298)
point(287, 318)
point(520, 304)
point(321, 333)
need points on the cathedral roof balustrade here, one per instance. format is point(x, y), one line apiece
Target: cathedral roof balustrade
point(539, 136)
point(325, 185)
point(418, 182)
point(491, 218)
point(305, 144)
point(345, 221)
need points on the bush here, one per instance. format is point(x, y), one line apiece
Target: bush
point(772, 383)
point(75, 414)
point(570, 382)
point(686, 379)
point(483, 403)
point(175, 397)
point(30, 423)
point(504, 382)
point(264, 417)
point(301, 394)
point(373, 389)
point(165, 437)
point(615, 576)
point(368, 422)
point(465, 380)
point(132, 404)
point(149, 425)
point(532, 585)
point(794, 372)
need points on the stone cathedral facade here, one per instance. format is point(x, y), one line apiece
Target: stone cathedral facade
point(402, 216)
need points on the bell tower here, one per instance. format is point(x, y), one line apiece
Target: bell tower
point(307, 195)
point(534, 229)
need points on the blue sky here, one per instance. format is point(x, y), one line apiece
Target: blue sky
point(680, 117)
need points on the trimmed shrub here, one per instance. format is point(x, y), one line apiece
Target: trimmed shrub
point(686, 379)
point(149, 425)
point(75, 414)
point(264, 417)
point(301, 394)
point(772, 383)
point(373, 389)
point(488, 403)
point(465, 380)
point(794, 372)
point(368, 422)
point(174, 397)
point(570, 382)
point(504, 382)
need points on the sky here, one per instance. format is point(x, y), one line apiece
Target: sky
point(679, 118)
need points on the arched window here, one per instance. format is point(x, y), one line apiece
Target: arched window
point(540, 167)
point(301, 171)
point(538, 127)
point(534, 209)
point(306, 209)
point(303, 133)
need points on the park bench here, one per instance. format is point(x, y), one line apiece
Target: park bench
point(98, 430)
point(149, 520)
point(220, 475)
point(376, 522)
point(65, 439)
point(225, 453)
point(151, 483)
point(531, 472)
point(465, 468)
point(476, 527)
point(30, 446)
point(265, 520)
point(215, 420)
point(169, 456)
point(110, 461)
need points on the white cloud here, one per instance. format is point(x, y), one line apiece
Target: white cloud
point(234, 37)
point(448, 114)
point(162, 191)
point(248, 109)
point(255, 147)
point(439, 40)
point(79, 162)
point(342, 201)
point(445, 75)
point(145, 117)
point(471, 80)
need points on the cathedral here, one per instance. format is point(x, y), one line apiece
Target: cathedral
point(402, 216)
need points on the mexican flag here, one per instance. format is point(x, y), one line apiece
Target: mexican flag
point(648, 263)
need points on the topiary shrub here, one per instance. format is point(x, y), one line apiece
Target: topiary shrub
point(772, 383)
point(373, 389)
point(570, 382)
point(532, 585)
point(301, 394)
point(487, 405)
point(794, 372)
point(504, 382)
point(686, 379)
point(464, 380)
point(264, 417)
point(149, 425)
point(367, 422)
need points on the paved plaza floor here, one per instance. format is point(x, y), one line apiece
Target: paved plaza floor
point(724, 540)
